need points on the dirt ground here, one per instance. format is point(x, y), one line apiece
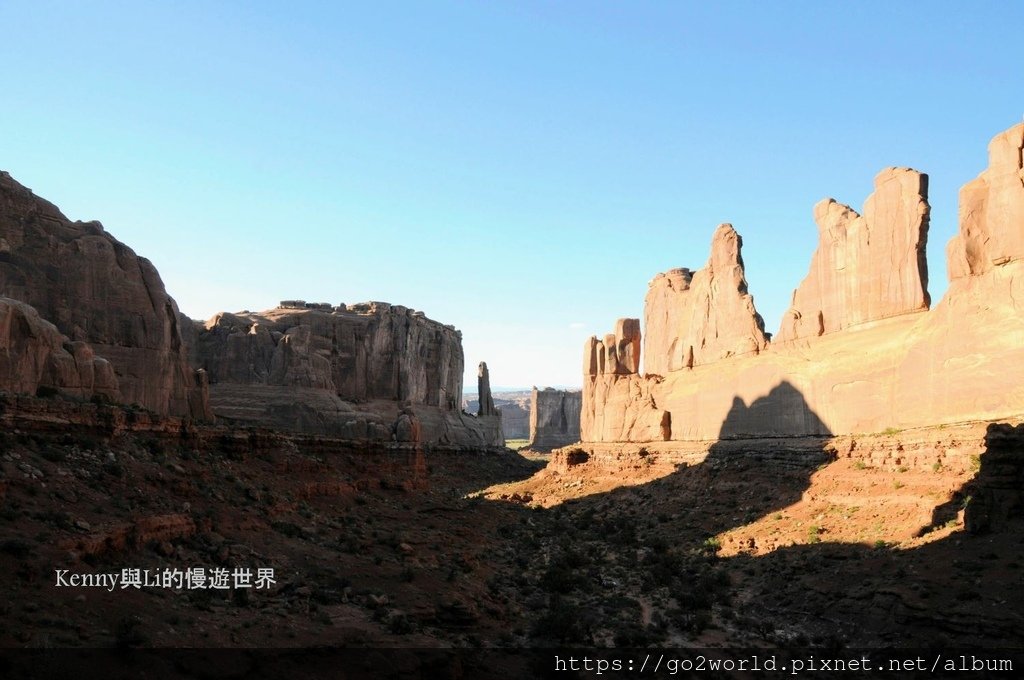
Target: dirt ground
point(852, 542)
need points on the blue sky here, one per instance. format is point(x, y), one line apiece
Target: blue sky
point(520, 170)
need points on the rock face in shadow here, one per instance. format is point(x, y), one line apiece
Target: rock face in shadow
point(554, 418)
point(83, 315)
point(994, 497)
point(35, 358)
point(96, 290)
point(483, 390)
point(783, 409)
point(867, 267)
point(696, 318)
point(351, 371)
point(859, 344)
point(515, 417)
point(996, 494)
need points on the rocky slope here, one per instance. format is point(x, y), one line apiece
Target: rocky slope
point(858, 352)
point(847, 541)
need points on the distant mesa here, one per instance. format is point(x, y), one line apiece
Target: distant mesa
point(347, 371)
point(858, 345)
point(514, 407)
point(554, 418)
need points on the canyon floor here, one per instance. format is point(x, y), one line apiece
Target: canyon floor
point(858, 543)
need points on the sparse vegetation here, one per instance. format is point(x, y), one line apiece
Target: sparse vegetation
point(658, 563)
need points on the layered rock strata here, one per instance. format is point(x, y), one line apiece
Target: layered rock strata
point(96, 290)
point(355, 371)
point(554, 418)
point(859, 352)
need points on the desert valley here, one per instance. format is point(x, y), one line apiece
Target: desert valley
point(855, 480)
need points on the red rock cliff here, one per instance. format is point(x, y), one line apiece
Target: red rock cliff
point(695, 318)
point(346, 370)
point(96, 290)
point(867, 267)
point(858, 352)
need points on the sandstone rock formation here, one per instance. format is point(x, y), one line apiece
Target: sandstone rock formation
point(83, 315)
point(554, 418)
point(407, 427)
point(991, 211)
point(483, 391)
point(617, 405)
point(866, 267)
point(514, 407)
point(369, 351)
point(907, 368)
point(36, 359)
point(696, 318)
point(362, 371)
point(96, 290)
point(515, 416)
point(617, 354)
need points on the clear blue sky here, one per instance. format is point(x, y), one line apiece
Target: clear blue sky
point(520, 170)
